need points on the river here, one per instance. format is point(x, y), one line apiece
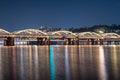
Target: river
point(59, 62)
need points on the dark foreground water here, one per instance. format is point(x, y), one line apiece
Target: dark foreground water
point(60, 63)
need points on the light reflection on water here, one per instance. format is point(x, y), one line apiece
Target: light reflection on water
point(102, 66)
point(83, 62)
point(67, 72)
point(52, 67)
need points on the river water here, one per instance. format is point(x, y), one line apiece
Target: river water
point(83, 62)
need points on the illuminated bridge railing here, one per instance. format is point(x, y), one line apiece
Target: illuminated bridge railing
point(30, 36)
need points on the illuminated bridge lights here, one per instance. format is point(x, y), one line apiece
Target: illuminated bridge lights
point(33, 33)
point(67, 36)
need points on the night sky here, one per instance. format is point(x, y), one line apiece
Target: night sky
point(24, 14)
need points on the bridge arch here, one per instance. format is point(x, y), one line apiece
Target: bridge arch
point(63, 32)
point(110, 35)
point(89, 35)
point(30, 32)
point(3, 32)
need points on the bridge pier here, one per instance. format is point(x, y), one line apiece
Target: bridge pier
point(92, 41)
point(48, 41)
point(72, 41)
point(9, 41)
point(101, 41)
point(45, 42)
point(88, 42)
point(69, 41)
point(65, 41)
point(96, 42)
point(77, 41)
point(39, 41)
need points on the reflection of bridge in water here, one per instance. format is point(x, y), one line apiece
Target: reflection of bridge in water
point(33, 36)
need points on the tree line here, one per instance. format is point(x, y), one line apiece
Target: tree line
point(98, 29)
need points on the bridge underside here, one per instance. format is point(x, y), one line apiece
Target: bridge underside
point(58, 40)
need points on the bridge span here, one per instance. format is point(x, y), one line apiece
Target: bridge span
point(38, 37)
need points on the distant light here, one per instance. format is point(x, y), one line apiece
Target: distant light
point(101, 32)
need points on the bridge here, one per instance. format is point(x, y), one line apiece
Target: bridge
point(38, 37)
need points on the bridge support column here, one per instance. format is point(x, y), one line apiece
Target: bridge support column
point(72, 41)
point(92, 41)
point(96, 42)
point(39, 41)
point(65, 41)
point(9, 41)
point(76, 41)
point(101, 41)
point(45, 42)
point(48, 41)
point(88, 42)
point(69, 41)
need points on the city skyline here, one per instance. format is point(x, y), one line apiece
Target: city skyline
point(17, 15)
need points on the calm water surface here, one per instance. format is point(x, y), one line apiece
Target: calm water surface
point(60, 62)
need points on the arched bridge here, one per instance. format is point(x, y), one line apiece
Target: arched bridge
point(67, 37)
